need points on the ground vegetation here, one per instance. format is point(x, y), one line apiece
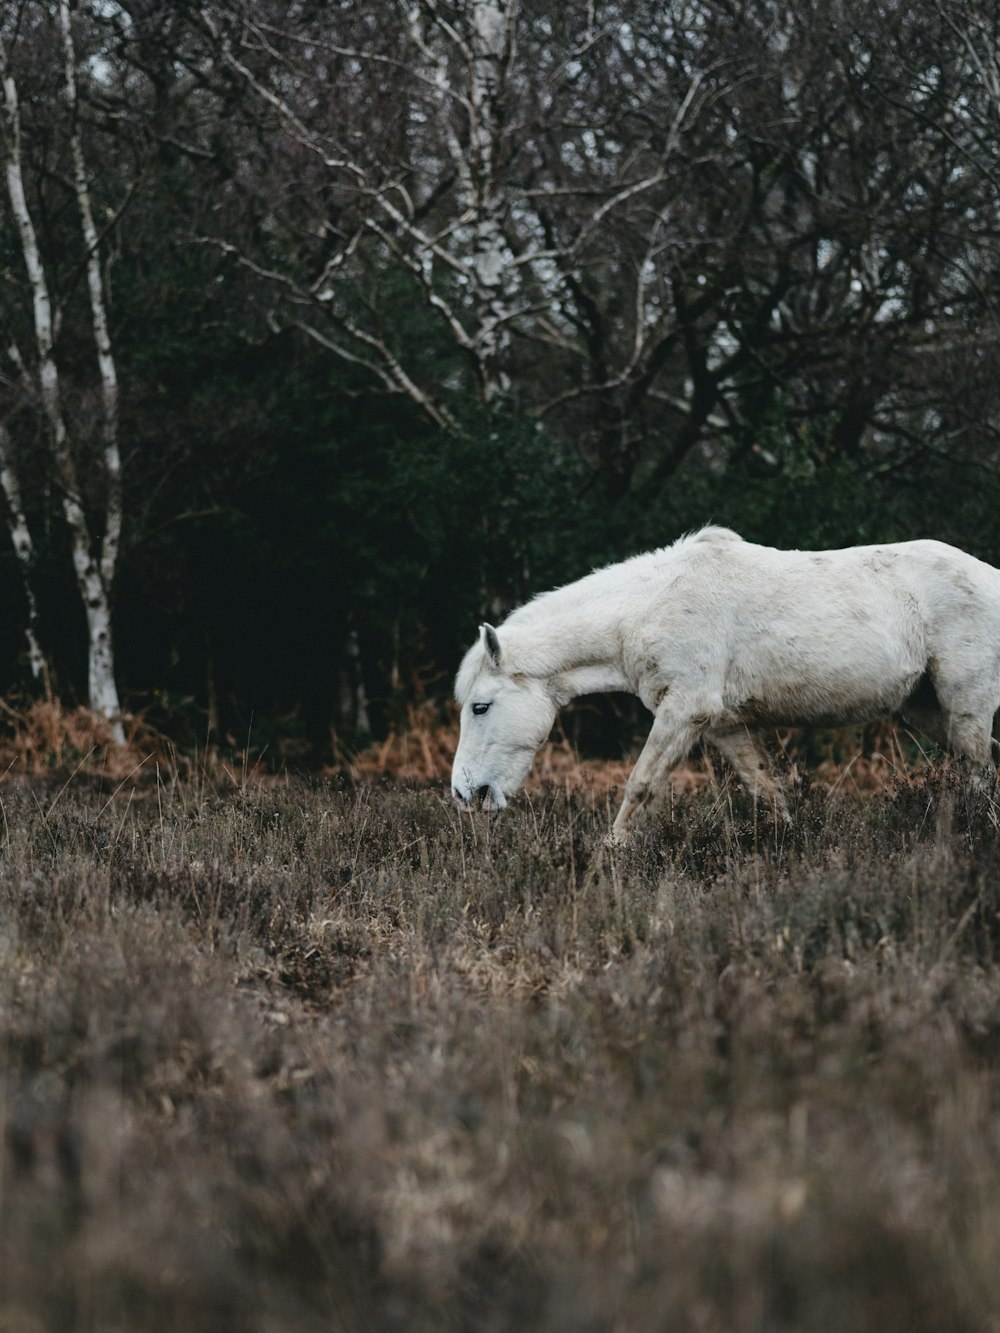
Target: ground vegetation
point(301, 1055)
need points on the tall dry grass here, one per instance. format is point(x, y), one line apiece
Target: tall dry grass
point(293, 1056)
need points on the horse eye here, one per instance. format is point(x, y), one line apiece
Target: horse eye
point(480, 709)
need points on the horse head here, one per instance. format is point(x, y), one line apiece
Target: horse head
point(506, 715)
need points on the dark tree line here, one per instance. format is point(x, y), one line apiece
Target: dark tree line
point(417, 308)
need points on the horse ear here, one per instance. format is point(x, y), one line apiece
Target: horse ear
point(492, 645)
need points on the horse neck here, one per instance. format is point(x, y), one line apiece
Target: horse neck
point(577, 649)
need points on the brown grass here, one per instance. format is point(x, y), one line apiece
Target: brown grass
point(854, 761)
point(41, 736)
point(305, 1057)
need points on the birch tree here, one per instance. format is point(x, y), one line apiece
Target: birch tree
point(94, 553)
point(24, 553)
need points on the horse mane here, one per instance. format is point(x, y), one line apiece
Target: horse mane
point(711, 533)
point(469, 671)
point(562, 609)
point(606, 579)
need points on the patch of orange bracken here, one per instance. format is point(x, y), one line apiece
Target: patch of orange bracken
point(419, 750)
point(43, 736)
point(422, 748)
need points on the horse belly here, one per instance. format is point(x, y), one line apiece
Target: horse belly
point(804, 704)
point(830, 679)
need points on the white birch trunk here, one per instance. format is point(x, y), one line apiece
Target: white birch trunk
point(102, 339)
point(479, 249)
point(90, 573)
point(95, 579)
point(24, 551)
point(353, 699)
point(495, 274)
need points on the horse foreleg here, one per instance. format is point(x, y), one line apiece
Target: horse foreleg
point(752, 765)
point(670, 738)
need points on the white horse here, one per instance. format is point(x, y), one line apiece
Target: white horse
point(719, 637)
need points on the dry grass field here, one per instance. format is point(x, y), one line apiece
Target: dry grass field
point(280, 1056)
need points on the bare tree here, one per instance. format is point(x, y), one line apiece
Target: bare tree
point(645, 223)
point(435, 170)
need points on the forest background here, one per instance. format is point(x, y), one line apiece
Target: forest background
point(330, 328)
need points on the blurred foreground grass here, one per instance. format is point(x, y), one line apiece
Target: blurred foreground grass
point(290, 1056)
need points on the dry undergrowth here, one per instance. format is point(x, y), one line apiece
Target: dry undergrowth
point(43, 736)
point(422, 749)
point(291, 1057)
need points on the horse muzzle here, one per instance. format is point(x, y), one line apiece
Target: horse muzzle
point(483, 797)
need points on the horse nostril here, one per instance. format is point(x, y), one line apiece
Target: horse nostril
point(476, 796)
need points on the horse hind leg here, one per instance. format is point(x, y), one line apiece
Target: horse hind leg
point(970, 738)
point(968, 706)
point(960, 719)
point(752, 765)
point(968, 711)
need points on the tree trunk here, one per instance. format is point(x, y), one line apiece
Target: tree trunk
point(93, 577)
point(24, 552)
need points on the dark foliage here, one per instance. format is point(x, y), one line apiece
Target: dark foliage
point(747, 265)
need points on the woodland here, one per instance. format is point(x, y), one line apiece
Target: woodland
point(327, 329)
point(330, 328)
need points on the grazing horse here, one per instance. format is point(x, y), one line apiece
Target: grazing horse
point(719, 637)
